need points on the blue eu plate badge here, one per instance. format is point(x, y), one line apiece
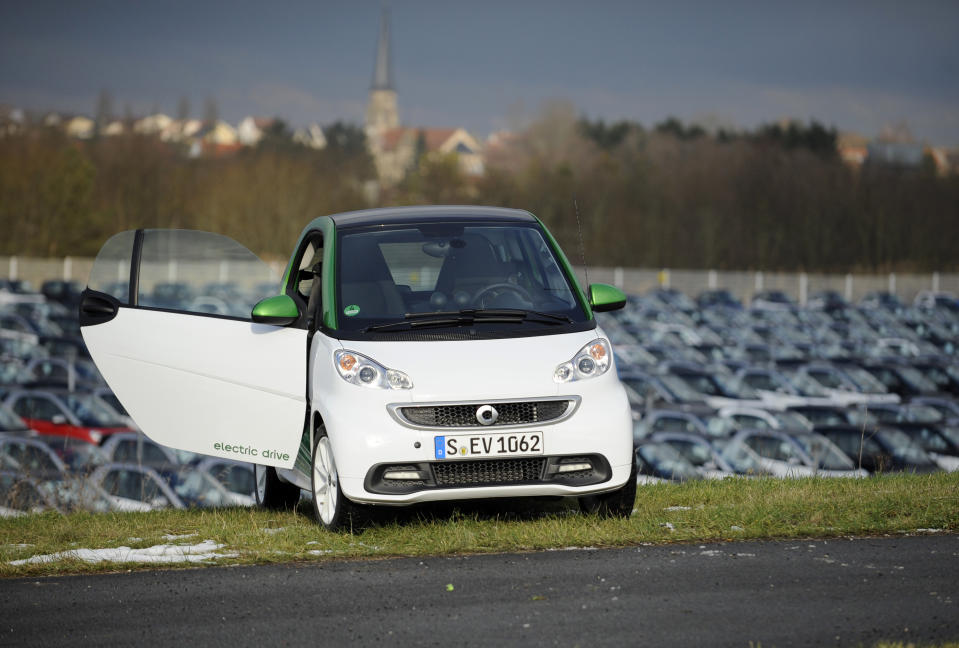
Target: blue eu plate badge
point(439, 444)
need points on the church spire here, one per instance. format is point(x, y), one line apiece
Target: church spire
point(383, 71)
point(381, 111)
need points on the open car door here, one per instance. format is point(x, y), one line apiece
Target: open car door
point(167, 319)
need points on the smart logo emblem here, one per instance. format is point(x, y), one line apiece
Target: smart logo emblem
point(486, 415)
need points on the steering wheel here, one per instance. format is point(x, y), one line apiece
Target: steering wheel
point(480, 297)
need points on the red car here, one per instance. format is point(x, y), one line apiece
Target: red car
point(79, 415)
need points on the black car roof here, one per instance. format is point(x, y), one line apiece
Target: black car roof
point(429, 214)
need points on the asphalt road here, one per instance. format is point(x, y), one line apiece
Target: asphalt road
point(802, 593)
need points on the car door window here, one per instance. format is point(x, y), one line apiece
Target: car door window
point(201, 272)
point(748, 421)
point(37, 407)
point(31, 458)
point(772, 448)
point(670, 424)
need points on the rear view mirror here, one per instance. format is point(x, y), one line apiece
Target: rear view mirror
point(280, 310)
point(603, 297)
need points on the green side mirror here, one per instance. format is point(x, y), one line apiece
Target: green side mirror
point(603, 297)
point(279, 311)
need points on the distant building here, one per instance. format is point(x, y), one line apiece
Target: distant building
point(216, 139)
point(152, 124)
point(853, 148)
point(12, 120)
point(899, 154)
point(80, 127)
point(251, 129)
point(394, 148)
point(311, 137)
point(116, 127)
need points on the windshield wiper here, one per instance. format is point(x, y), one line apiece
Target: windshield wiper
point(468, 317)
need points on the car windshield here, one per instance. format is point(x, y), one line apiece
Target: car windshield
point(902, 447)
point(667, 462)
point(199, 488)
point(719, 426)
point(90, 411)
point(865, 381)
point(680, 388)
point(919, 414)
point(807, 386)
point(823, 452)
point(79, 455)
point(738, 455)
point(791, 420)
point(918, 380)
point(426, 276)
point(734, 387)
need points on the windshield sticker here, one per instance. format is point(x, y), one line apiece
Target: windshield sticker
point(352, 310)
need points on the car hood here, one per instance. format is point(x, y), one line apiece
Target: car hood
point(501, 368)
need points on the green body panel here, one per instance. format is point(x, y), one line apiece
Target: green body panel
point(580, 295)
point(325, 225)
point(280, 310)
point(604, 297)
point(304, 455)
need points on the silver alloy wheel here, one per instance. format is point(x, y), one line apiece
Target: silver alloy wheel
point(259, 475)
point(325, 481)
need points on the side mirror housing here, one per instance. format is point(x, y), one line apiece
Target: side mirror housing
point(280, 310)
point(603, 297)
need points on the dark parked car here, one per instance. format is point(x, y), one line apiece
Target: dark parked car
point(880, 450)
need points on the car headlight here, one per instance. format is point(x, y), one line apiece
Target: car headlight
point(96, 436)
point(591, 361)
point(357, 369)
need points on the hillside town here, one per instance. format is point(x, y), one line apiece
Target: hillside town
point(395, 148)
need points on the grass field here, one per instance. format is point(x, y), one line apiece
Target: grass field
point(666, 513)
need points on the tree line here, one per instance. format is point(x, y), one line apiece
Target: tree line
point(776, 198)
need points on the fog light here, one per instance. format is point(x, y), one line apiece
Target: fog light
point(573, 467)
point(405, 475)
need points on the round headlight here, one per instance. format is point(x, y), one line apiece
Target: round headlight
point(367, 374)
point(586, 365)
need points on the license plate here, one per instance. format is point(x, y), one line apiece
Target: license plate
point(488, 445)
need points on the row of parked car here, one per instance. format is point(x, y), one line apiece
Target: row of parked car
point(66, 443)
point(717, 389)
point(833, 389)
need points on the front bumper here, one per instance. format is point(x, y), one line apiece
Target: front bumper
point(368, 441)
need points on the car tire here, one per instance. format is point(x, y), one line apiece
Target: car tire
point(617, 503)
point(272, 493)
point(332, 508)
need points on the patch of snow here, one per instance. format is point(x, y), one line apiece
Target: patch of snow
point(668, 525)
point(711, 552)
point(178, 537)
point(165, 553)
point(272, 530)
point(320, 552)
point(929, 530)
point(678, 508)
point(572, 549)
point(736, 528)
point(134, 539)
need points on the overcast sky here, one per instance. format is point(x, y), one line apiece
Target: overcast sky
point(491, 64)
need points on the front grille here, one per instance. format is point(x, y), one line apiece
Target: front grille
point(518, 413)
point(495, 471)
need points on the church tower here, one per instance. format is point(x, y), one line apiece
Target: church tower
point(381, 112)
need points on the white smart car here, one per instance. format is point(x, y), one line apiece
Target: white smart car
point(412, 354)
